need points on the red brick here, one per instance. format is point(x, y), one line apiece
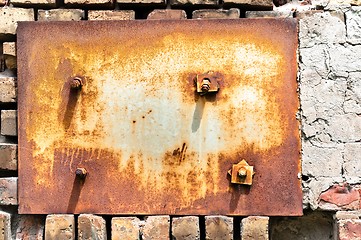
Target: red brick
point(342, 195)
point(167, 14)
point(9, 191)
point(349, 229)
point(194, 2)
point(84, 3)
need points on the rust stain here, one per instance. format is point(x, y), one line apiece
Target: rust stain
point(149, 142)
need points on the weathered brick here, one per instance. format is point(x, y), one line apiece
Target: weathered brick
point(167, 14)
point(156, 228)
point(9, 191)
point(269, 14)
point(160, 2)
point(219, 227)
point(340, 196)
point(60, 15)
point(263, 4)
point(7, 89)
point(353, 18)
point(351, 165)
point(5, 226)
point(185, 228)
point(349, 229)
point(29, 227)
point(9, 122)
point(216, 13)
point(60, 226)
point(91, 227)
point(34, 3)
point(9, 20)
point(9, 48)
point(98, 3)
point(111, 15)
point(125, 228)
point(254, 227)
point(312, 30)
point(194, 2)
point(8, 156)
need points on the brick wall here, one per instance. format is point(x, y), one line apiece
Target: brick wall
point(330, 94)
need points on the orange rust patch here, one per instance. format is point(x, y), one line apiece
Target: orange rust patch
point(149, 142)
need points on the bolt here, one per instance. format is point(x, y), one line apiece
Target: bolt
point(206, 85)
point(242, 172)
point(81, 173)
point(76, 83)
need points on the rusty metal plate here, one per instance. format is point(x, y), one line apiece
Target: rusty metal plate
point(137, 137)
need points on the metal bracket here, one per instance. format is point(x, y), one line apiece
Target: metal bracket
point(241, 173)
point(206, 83)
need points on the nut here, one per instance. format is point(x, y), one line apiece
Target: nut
point(81, 173)
point(242, 172)
point(76, 83)
point(206, 85)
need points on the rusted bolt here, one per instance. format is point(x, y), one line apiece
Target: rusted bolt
point(81, 173)
point(242, 172)
point(76, 83)
point(206, 85)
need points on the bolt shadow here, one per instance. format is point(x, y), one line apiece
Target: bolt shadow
point(199, 109)
point(236, 192)
point(75, 193)
point(72, 99)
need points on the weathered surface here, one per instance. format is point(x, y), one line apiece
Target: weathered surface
point(194, 2)
point(260, 4)
point(216, 13)
point(7, 89)
point(219, 227)
point(9, 191)
point(269, 14)
point(340, 196)
point(353, 28)
point(107, 3)
point(111, 15)
point(254, 227)
point(185, 228)
point(8, 156)
point(158, 2)
point(30, 227)
point(9, 122)
point(167, 14)
point(125, 228)
point(34, 3)
point(312, 225)
point(9, 20)
point(60, 226)
point(330, 100)
point(156, 228)
point(5, 226)
point(91, 227)
point(60, 15)
point(349, 229)
point(177, 171)
point(9, 48)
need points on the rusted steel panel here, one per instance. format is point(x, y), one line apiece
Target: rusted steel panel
point(110, 120)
